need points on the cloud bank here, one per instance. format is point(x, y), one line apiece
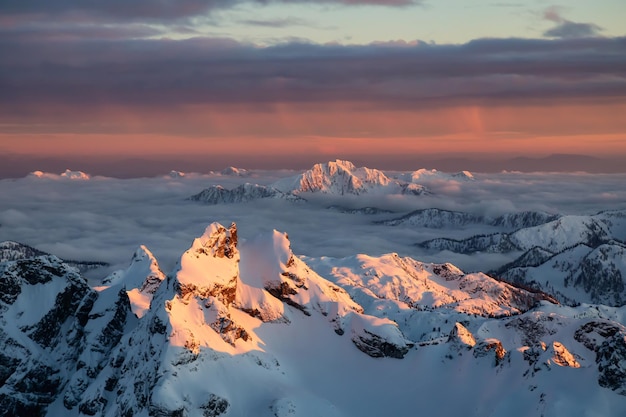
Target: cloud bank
point(105, 219)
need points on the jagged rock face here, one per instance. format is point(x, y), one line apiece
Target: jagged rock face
point(12, 251)
point(207, 278)
point(608, 341)
point(210, 266)
point(602, 273)
point(55, 335)
point(490, 346)
point(578, 274)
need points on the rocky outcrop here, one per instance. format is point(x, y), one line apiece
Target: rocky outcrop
point(490, 347)
point(460, 336)
point(608, 341)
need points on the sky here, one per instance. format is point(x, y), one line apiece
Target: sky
point(266, 83)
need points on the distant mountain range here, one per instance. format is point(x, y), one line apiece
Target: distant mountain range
point(15, 166)
point(241, 194)
point(334, 178)
point(434, 218)
point(576, 258)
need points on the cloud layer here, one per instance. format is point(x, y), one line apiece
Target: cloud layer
point(167, 73)
point(568, 29)
point(105, 219)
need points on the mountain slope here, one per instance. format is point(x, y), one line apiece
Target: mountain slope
point(575, 275)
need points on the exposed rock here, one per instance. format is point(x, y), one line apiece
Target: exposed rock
point(608, 341)
point(461, 336)
point(214, 406)
point(563, 357)
point(486, 346)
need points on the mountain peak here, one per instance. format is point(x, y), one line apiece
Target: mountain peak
point(335, 177)
point(75, 175)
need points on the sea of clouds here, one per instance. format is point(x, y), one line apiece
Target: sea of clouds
point(105, 219)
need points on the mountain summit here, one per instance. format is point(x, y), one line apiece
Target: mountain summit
point(342, 177)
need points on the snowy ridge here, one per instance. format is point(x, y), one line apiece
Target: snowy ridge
point(140, 280)
point(553, 236)
point(236, 172)
point(420, 286)
point(577, 274)
point(67, 175)
point(13, 251)
point(439, 219)
point(342, 178)
point(241, 326)
point(425, 175)
point(241, 194)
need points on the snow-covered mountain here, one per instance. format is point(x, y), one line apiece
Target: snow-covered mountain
point(426, 175)
point(176, 174)
point(553, 236)
point(12, 251)
point(236, 172)
point(245, 327)
point(576, 258)
point(435, 218)
point(370, 211)
point(342, 177)
point(67, 174)
point(241, 194)
point(574, 275)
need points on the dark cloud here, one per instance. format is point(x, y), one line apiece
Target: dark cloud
point(156, 9)
point(277, 23)
point(145, 9)
point(162, 72)
point(567, 29)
